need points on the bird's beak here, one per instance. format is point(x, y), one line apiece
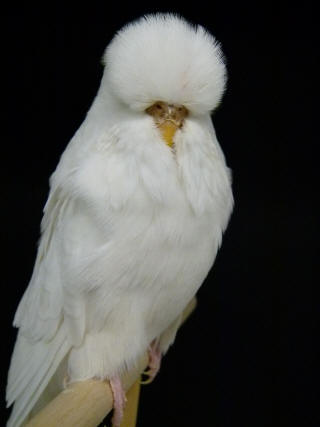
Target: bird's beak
point(168, 130)
point(168, 118)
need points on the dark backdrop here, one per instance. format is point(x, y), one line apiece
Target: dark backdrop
point(249, 346)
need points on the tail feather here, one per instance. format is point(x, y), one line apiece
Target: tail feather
point(30, 372)
point(27, 362)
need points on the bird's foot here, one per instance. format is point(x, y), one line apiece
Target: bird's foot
point(154, 362)
point(119, 400)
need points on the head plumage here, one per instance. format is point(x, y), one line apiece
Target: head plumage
point(163, 57)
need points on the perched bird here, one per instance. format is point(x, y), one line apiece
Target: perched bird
point(134, 219)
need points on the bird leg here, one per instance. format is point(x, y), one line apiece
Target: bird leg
point(119, 400)
point(155, 356)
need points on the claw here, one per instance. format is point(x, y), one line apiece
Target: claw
point(149, 374)
point(154, 363)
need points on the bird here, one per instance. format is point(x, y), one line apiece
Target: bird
point(135, 215)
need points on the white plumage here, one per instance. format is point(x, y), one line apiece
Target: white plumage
point(131, 226)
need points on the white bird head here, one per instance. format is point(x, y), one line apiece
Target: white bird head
point(164, 66)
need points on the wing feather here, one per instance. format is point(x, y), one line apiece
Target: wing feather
point(40, 310)
point(51, 316)
point(43, 339)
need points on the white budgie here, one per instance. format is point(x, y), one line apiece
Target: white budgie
point(134, 218)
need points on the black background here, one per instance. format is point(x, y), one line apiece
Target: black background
point(249, 349)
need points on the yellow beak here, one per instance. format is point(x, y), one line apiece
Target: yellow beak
point(168, 118)
point(168, 129)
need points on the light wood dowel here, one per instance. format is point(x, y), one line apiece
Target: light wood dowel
point(131, 409)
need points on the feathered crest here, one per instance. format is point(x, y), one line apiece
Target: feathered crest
point(163, 57)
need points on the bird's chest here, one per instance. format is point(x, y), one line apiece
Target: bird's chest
point(157, 211)
point(155, 248)
point(151, 210)
point(169, 251)
point(163, 235)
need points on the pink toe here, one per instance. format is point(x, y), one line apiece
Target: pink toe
point(119, 400)
point(154, 359)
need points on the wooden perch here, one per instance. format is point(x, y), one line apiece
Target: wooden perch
point(87, 403)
